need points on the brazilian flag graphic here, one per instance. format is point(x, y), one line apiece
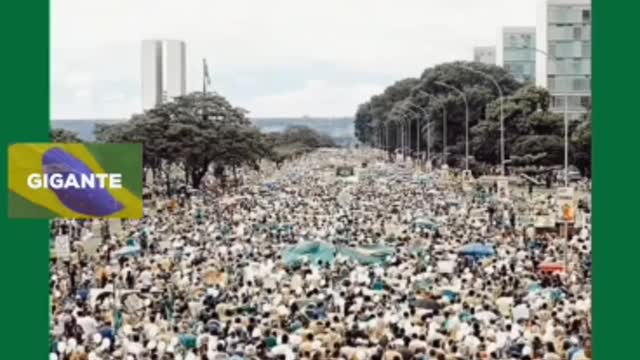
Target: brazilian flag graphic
point(70, 162)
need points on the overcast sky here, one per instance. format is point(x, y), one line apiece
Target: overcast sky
point(274, 58)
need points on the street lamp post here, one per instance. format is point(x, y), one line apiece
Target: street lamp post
point(402, 138)
point(566, 116)
point(444, 135)
point(466, 108)
point(418, 129)
point(387, 143)
point(396, 134)
point(444, 120)
point(408, 127)
point(406, 134)
point(495, 82)
point(566, 152)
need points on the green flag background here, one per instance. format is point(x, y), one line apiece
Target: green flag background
point(24, 263)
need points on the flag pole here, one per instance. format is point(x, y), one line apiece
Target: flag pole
point(204, 76)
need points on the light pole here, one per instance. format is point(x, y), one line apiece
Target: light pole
point(401, 119)
point(396, 133)
point(466, 109)
point(387, 145)
point(444, 135)
point(418, 129)
point(566, 153)
point(495, 82)
point(566, 116)
point(407, 134)
point(444, 121)
point(402, 139)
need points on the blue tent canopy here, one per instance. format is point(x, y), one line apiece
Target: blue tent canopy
point(318, 251)
point(477, 250)
point(313, 251)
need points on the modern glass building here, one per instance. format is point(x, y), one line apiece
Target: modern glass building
point(163, 71)
point(517, 54)
point(566, 36)
point(485, 54)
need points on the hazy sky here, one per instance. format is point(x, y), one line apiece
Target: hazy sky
point(274, 58)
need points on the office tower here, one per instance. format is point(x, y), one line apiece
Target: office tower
point(485, 54)
point(163, 71)
point(517, 52)
point(564, 32)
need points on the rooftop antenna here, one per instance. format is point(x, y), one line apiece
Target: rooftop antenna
point(206, 79)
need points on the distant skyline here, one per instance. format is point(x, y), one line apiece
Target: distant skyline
point(282, 58)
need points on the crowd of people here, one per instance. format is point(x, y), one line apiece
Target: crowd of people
point(467, 274)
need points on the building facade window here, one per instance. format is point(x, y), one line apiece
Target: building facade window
point(569, 44)
point(577, 33)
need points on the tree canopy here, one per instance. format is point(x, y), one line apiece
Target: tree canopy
point(532, 132)
point(297, 140)
point(202, 131)
point(64, 136)
point(193, 131)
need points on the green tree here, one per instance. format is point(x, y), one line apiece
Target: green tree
point(581, 145)
point(295, 141)
point(364, 124)
point(194, 131)
point(405, 102)
point(528, 128)
point(552, 146)
point(479, 91)
point(64, 136)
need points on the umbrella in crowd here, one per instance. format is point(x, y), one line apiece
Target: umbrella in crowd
point(477, 250)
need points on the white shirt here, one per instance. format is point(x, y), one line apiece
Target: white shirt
point(283, 349)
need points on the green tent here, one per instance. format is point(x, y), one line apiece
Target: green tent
point(312, 251)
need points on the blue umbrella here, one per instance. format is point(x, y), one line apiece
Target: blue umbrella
point(477, 250)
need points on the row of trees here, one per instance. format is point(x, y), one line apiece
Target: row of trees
point(202, 132)
point(531, 130)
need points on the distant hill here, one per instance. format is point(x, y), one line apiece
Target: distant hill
point(84, 128)
point(341, 128)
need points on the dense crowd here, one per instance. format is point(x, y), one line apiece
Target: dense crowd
point(466, 273)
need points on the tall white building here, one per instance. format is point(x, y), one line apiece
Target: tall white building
point(485, 54)
point(516, 52)
point(163, 71)
point(564, 32)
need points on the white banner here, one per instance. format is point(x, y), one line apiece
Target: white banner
point(63, 247)
point(115, 227)
point(503, 188)
point(446, 267)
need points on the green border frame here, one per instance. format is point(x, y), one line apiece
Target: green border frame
point(616, 130)
point(24, 262)
point(24, 92)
